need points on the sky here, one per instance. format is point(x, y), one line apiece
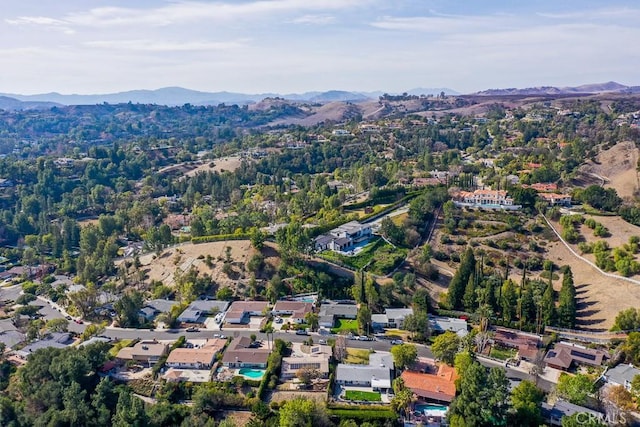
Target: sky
point(294, 46)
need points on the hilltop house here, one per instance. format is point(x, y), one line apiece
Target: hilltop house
point(554, 199)
point(344, 237)
point(487, 199)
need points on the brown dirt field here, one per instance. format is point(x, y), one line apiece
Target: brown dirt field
point(163, 268)
point(600, 298)
point(224, 164)
point(620, 230)
point(617, 166)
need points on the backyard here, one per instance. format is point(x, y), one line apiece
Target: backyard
point(363, 396)
point(502, 353)
point(380, 256)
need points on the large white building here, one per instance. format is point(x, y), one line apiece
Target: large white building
point(344, 237)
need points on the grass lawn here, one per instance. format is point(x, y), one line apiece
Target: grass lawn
point(399, 219)
point(502, 353)
point(345, 325)
point(357, 356)
point(368, 396)
point(113, 351)
point(381, 257)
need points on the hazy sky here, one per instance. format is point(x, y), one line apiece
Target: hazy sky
point(99, 46)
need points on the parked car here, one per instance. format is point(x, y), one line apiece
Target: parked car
point(321, 341)
point(396, 342)
point(302, 332)
point(278, 320)
point(192, 329)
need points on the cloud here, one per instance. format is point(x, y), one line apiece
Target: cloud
point(445, 23)
point(184, 12)
point(314, 19)
point(50, 23)
point(164, 46)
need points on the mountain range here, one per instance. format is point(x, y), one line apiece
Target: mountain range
point(179, 96)
point(173, 96)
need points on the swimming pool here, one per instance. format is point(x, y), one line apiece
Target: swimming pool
point(252, 374)
point(431, 410)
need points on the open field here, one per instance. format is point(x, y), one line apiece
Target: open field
point(185, 256)
point(230, 164)
point(617, 166)
point(345, 325)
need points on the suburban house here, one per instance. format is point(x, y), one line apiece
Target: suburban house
point(564, 355)
point(554, 413)
point(621, 375)
point(296, 309)
point(543, 187)
point(488, 199)
point(202, 357)
point(307, 357)
point(439, 324)
point(241, 354)
point(344, 237)
point(241, 311)
point(554, 199)
point(54, 339)
point(198, 309)
point(392, 317)
point(154, 307)
point(329, 312)
point(9, 334)
point(437, 384)
point(377, 374)
point(526, 344)
point(146, 351)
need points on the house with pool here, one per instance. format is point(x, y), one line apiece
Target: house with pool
point(242, 353)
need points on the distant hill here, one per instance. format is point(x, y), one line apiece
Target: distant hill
point(13, 104)
point(173, 96)
point(552, 90)
point(179, 96)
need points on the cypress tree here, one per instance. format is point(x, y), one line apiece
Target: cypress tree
point(567, 302)
point(460, 279)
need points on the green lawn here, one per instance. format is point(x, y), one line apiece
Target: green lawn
point(379, 255)
point(502, 353)
point(365, 396)
point(345, 325)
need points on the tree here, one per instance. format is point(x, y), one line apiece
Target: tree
point(57, 325)
point(340, 348)
point(509, 300)
point(580, 419)
point(567, 302)
point(364, 318)
point(548, 306)
point(483, 399)
point(575, 388)
point(313, 320)
point(257, 238)
point(128, 308)
point(417, 323)
point(620, 397)
point(460, 279)
point(526, 399)
point(300, 412)
point(469, 297)
point(307, 375)
point(129, 412)
point(225, 294)
point(627, 320)
point(445, 347)
point(404, 355)
point(631, 347)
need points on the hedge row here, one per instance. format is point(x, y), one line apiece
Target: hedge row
point(219, 238)
point(363, 414)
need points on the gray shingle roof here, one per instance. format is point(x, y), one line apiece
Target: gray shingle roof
point(622, 374)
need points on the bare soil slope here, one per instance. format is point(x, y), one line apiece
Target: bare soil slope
point(617, 166)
